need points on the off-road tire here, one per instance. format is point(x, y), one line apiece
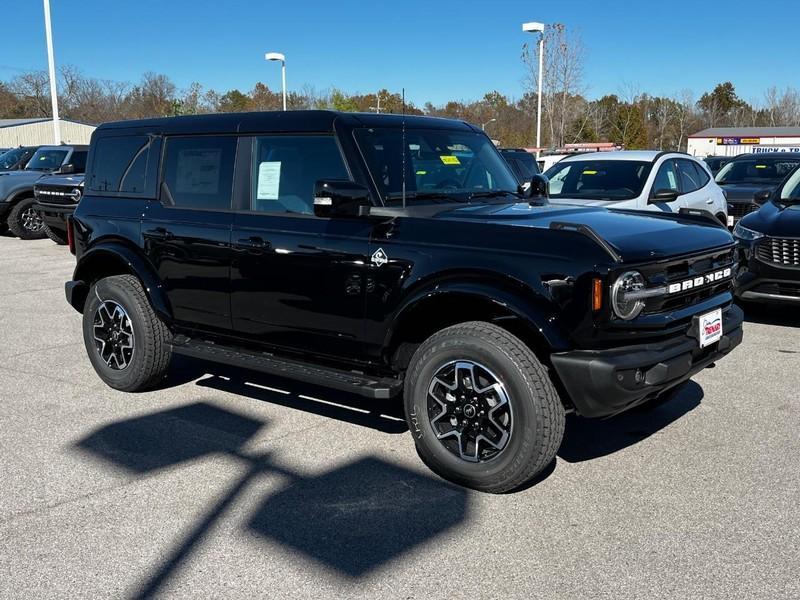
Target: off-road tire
point(538, 413)
point(152, 340)
point(55, 235)
point(16, 218)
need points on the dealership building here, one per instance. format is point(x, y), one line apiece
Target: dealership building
point(38, 132)
point(732, 141)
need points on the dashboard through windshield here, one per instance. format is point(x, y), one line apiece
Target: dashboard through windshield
point(440, 165)
point(613, 180)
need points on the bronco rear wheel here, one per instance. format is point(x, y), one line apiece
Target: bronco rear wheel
point(481, 408)
point(128, 345)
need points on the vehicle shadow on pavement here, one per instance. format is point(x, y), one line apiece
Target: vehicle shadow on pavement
point(351, 519)
point(586, 439)
point(765, 314)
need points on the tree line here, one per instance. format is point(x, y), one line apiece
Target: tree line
point(631, 118)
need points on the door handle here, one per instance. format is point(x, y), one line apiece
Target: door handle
point(159, 233)
point(710, 201)
point(254, 243)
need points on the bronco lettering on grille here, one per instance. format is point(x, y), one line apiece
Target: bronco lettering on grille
point(699, 281)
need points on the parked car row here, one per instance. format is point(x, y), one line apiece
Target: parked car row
point(27, 167)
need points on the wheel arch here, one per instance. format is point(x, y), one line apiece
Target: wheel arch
point(115, 258)
point(527, 316)
point(20, 194)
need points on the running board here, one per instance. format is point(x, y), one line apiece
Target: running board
point(348, 381)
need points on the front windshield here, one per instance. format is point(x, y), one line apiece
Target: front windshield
point(46, 160)
point(791, 189)
point(757, 170)
point(440, 165)
point(11, 158)
point(598, 179)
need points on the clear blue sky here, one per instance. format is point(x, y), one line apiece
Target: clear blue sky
point(437, 50)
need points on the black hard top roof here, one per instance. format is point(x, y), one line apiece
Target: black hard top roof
point(280, 121)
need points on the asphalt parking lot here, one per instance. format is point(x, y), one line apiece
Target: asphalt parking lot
point(225, 483)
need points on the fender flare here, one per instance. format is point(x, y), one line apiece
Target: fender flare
point(532, 309)
point(19, 194)
point(103, 254)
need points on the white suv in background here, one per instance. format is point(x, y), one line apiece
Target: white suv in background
point(638, 180)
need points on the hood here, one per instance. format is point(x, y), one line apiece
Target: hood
point(70, 181)
point(775, 220)
point(17, 180)
point(636, 235)
point(591, 202)
point(743, 192)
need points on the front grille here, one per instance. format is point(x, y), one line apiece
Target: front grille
point(779, 251)
point(52, 194)
point(738, 210)
point(681, 270)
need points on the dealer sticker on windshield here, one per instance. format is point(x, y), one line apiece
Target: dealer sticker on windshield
point(710, 328)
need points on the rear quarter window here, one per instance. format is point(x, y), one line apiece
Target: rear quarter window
point(124, 166)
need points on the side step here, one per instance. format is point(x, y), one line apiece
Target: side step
point(348, 381)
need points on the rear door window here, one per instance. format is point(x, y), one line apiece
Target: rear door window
point(198, 172)
point(690, 178)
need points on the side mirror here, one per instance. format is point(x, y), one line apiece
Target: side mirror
point(340, 198)
point(762, 196)
point(66, 169)
point(539, 188)
point(664, 195)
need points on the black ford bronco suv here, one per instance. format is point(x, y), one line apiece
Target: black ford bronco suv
point(387, 255)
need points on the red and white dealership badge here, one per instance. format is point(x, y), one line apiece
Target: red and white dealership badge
point(710, 328)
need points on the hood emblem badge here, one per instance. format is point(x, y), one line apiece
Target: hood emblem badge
point(379, 258)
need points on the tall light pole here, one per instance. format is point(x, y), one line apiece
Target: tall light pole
point(483, 125)
point(534, 27)
point(278, 56)
point(51, 64)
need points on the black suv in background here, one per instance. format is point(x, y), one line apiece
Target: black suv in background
point(16, 158)
point(769, 247)
point(385, 255)
point(522, 162)
point(715, 163)
point(56, 199)
point(748, 180)
point(17, 200)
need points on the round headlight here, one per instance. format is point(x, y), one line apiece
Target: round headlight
point(627, 309)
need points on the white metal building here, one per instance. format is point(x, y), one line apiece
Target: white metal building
point(732, 141)
point(36, 132)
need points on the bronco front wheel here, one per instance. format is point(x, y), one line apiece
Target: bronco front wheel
point(481, 408)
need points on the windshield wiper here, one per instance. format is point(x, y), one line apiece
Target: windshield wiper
point(494, 194)
point(423, 196)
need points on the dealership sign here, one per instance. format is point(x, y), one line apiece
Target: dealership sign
point(762, 149)
point(738, 141)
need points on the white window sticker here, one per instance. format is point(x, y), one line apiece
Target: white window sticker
point(198, 171)
point(269, 180)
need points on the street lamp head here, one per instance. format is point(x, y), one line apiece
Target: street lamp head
point(274, 56)
point(533, 27)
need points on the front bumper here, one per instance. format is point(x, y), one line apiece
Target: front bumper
point(55, 216)
point(605, 382)
point(767, 282)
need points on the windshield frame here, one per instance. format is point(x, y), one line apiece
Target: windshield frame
point(506, 192)
point(586, 162)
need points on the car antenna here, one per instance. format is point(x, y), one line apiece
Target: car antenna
point(404, 148)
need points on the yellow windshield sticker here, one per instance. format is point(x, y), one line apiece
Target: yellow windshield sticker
point(422, 172)
point(450, 159)
point(589, 172)
point(761, 166)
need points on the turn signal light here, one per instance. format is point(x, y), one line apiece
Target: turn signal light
point(597, 294)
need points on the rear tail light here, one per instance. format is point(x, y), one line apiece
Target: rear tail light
point(71, 235)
